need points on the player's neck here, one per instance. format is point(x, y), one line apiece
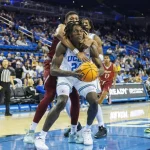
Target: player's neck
point(107, 64)
point(76, 44)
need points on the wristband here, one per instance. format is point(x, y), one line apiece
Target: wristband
point(101, 57)
point(76, 51)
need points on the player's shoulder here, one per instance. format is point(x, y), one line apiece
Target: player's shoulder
point(61, 48)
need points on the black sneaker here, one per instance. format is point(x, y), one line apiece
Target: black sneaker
point(79, 127)
point(8, 114)
point(101, 132)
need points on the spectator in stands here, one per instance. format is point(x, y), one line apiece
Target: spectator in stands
point(2, 56)
point(40, 87)
point(26, 80)
point(39, 67)
point(37, 59)
point(24, 42)
point(13, 41)
point(9, 57)
point(137, 78)
point(136, 64)
point(18, 57)
point(144, 76)
point(6, 41)
point(34, 62)
point(45, 49)
point(39, 47)
point(33, 73)
point(127, 66)
point(31, 91)
point(119, 78)
point(19, 70)
point(25, 57)
point(21, 42)
point(126, 79)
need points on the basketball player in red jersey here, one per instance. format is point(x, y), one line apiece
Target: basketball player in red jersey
point(50, 81)
point(108, 78)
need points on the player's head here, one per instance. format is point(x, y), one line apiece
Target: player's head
point(74, 31)
point(106, 58)
point(71, 16)
point(88, 24)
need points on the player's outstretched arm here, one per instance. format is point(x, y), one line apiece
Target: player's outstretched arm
point(96, 60)
point(56, 63)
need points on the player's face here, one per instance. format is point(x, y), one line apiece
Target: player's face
point(86, 24)
point(77, 33)
point(106, 59)
point(72, 17)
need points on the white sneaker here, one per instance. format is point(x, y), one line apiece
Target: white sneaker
point(29, 137)
point(40, 144)
point(72, 138)
point(87, 137)
point(79, 137)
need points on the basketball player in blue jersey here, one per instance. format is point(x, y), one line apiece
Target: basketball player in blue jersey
point(67, 78)
point(102, 131)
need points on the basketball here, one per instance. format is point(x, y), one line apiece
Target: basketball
point(89, 71)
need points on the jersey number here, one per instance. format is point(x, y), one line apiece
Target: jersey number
point(107, 76)
point(75, 66)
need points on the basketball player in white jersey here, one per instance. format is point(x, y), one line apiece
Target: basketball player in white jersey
point(102, 131)
point(63, 66)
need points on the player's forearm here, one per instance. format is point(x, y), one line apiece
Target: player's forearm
point(60, 73)
point(68, 44)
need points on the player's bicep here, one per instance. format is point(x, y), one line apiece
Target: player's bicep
point(99, 44)
point(60, 32)
point(58, 57)
point(98, 40)
point(57, 60)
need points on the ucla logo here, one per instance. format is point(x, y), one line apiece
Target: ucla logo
point(73, 58)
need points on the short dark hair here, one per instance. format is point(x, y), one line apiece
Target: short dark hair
point(70, 25)
point(107, 55)
point(90, 22)
point(70, 13)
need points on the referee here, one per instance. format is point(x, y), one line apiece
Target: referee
point(6, 78)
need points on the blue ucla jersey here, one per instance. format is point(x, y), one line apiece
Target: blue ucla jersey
point(71, 61)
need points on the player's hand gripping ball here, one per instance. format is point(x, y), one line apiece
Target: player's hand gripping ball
point(89, 71)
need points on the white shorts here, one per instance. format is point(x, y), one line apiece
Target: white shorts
point(97, 85)
point(65, 85)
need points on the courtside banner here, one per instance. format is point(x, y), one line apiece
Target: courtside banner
point(128, 92)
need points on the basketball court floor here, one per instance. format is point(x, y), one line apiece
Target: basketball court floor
point(125, 124)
